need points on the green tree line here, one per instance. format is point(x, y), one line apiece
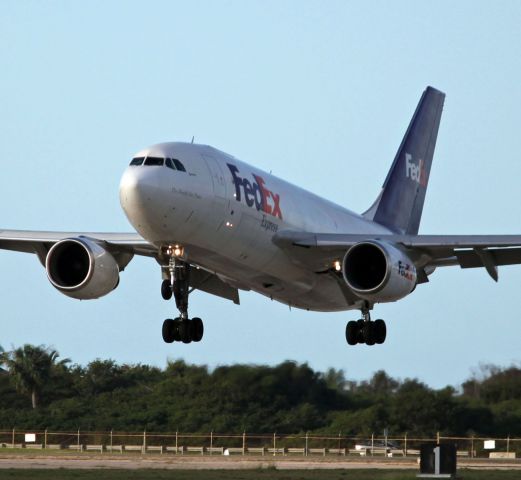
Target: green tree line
point(38, 390)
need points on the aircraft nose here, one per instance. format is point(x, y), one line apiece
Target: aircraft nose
point(136, 188)
point(128, 186)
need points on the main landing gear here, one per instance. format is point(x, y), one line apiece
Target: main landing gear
point(179, 329)
point(365, 330)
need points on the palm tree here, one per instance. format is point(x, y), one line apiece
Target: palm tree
point(30, 368)
point(2, 351)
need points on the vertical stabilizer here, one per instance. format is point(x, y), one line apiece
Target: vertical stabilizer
point(400, 203)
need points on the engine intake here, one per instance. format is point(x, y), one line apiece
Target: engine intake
point(81, 269)
point(378, 271)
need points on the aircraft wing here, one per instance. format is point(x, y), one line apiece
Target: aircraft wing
point(40, 242)
point(122, 245)
point(320, 250)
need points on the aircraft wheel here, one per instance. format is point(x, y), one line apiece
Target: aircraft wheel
point(380, 331)
point(168, 330)
point(197, 329)
point(360, 323)
point(352, 332)
point(166, 290)
point(368, 333)
point(177, 333)
point(185, 331)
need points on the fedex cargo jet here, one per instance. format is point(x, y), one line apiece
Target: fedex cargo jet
point(217, 224)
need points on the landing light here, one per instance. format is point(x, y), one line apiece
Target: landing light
point(337, 266)
point(175, 250)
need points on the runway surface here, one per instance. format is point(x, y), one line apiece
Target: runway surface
point(191, 463)
point(224, 463)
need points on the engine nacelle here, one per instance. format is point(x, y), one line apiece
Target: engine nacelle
point(81, 269)
point(378, 272)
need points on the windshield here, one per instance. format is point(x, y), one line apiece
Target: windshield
point(154, 161)
point(172, 163)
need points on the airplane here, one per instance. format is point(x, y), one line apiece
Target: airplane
point(216, 224)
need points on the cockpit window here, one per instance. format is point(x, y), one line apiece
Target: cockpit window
point(154, 161)
point(172, 163)
point(179, 165)
point(137, 161)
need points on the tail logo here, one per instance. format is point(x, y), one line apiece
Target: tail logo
point(415, 171)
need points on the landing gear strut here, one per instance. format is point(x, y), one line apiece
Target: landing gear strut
point(365, 330)
point(179, 329)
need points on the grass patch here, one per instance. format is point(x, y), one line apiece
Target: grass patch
point(271, 474)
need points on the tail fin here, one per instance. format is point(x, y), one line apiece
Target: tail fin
point(400, 203)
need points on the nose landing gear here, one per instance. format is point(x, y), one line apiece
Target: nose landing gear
point(166, 289)
point(180, 329)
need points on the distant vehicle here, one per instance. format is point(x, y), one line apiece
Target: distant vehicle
point(217, 224)
point(377, 444)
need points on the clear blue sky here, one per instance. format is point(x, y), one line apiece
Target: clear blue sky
point(318, 92)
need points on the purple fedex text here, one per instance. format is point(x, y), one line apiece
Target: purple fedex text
point(255, 193)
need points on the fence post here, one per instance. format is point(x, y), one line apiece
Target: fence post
point(13, 438)
point(306, 449)
point(176, 444)
point(144, 441)
point(243, 443)
point(372, 443)
point(438, 438)
point(45, 439)
point(472, 453)
point(211, 442)
point(274, 444)
point(508, 443)
point(405, 446)
point(111, 450)
point(78, 440)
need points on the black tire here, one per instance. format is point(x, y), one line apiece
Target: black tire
point(368, 333)
point(168, 330)
point(352, 332)
point(166, 290)
point(360, 324)
point(185, 331)
point(177, 333)
point(380, 331)
point(197, 329)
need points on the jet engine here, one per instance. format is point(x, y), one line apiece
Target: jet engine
point(378, 272)
point(81, 269)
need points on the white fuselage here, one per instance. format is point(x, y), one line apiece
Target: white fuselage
point(225, 212)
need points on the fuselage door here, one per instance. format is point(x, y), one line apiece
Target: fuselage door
point(216, 173)
point(221, 202)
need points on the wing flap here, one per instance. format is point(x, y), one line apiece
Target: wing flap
point(504, 256)
point(210, 283)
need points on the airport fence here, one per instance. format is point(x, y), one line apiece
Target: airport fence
point(213, 443)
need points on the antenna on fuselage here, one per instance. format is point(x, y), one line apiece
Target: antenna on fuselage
point(193, 139)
